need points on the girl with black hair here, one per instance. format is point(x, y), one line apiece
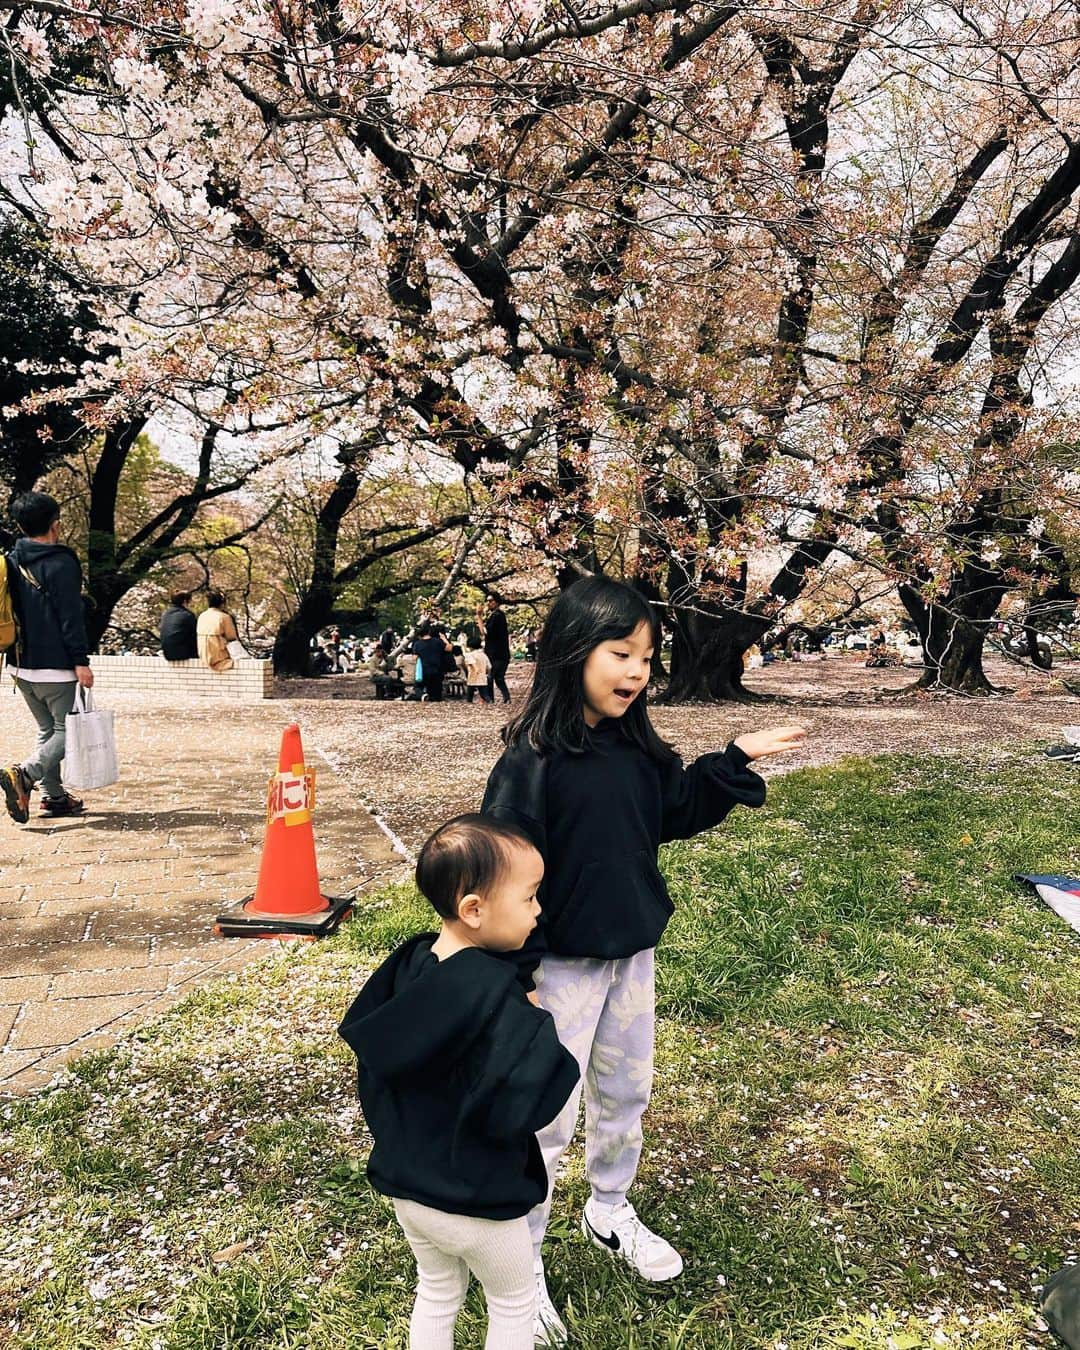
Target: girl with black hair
point(588, 779)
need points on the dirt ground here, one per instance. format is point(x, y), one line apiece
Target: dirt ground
point(418, 764)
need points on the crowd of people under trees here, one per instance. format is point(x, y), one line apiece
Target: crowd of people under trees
point(471, 663)
point(439, 658)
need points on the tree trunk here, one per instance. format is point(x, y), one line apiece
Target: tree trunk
point(707, 654)
point(953, 658)
point(106, 582)
point(291, 644)
point(292, 651)
point(953, 633)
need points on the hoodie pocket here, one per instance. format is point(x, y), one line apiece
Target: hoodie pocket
point(616, 904)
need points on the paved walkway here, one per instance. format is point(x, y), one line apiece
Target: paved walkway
point(107, 919)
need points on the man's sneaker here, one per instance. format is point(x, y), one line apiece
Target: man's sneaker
point(1063, 752)
point(67, 805)
point(622, 1233)
point(16, 788)
point(549, 1330)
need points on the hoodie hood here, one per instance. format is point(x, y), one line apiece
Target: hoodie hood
point(417, 1010)
point(30, 551)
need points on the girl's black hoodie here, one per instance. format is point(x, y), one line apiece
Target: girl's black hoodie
point(457, 1072)
point(597, 819)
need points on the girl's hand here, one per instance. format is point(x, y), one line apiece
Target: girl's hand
point(771, 741)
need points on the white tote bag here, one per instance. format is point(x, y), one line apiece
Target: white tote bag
point(237, 650)
point(90, 744)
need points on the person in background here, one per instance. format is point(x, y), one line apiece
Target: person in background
point(332, 647)
point(434, 652)
point(50, 660)
point(496, 637)
point(214, 630)
point(177, 629)
point(407, 664)
point(386, 679)
point(477, 671)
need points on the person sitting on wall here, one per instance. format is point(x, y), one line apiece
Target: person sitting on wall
point(215, 629)
point(177, 629)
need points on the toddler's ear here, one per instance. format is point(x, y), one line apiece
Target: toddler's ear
point(468, 909)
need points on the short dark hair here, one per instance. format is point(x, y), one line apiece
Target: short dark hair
point(424, 630)
point(35, 512)
point(476, 642)
point(215, 599)
point(468, 855)
point(179, 598)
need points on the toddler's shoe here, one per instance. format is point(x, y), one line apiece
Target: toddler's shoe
point(620, 1232)
point(549, 1330)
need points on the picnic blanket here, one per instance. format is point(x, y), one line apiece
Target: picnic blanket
point(1061, 893)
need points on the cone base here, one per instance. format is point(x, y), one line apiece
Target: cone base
point(238, 921)
point(249, 907)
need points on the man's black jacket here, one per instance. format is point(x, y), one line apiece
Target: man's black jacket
point(52, 628)
point(178, 637)
point(457, 1072)
point(496, 636)
point(432, 654)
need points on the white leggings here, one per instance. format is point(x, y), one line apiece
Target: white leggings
point(447, 1247)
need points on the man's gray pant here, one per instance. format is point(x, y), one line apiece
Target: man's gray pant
point(604, 1013)
point(50, 703)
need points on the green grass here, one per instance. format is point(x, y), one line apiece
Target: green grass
point(865, 1130)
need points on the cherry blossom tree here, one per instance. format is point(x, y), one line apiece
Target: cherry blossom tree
point(675, 284)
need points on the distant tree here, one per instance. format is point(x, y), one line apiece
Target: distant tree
point(46, 333)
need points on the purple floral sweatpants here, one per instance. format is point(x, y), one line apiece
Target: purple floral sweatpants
point(604, 1013)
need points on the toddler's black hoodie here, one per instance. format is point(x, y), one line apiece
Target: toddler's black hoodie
point(457, 1071)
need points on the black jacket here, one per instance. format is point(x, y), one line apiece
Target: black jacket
point(52, 627)
point(178, 638)
point(432, 654)
point(496, 637)
point(598, 819)
point(457, 1071)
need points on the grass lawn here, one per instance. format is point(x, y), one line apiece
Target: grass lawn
point(865, 1130)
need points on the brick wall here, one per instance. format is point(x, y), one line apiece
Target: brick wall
point(248, 681)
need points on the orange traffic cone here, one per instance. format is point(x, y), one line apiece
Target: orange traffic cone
point(287, 901)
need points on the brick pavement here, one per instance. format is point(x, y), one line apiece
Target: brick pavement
point(107, 920)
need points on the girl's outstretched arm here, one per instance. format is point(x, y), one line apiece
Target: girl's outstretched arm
point(771, 741)
point(699, 796)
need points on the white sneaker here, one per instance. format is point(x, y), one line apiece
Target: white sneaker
point(548, 1327)
point(622, 1233)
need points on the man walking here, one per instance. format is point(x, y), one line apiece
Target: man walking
point(50, 660)
point(496, 637)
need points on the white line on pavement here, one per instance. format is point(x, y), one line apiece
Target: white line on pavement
point(396, 842)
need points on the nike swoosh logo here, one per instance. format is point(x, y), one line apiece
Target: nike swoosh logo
point(612, 1240)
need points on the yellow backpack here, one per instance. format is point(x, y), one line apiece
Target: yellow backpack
point(7, 612)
